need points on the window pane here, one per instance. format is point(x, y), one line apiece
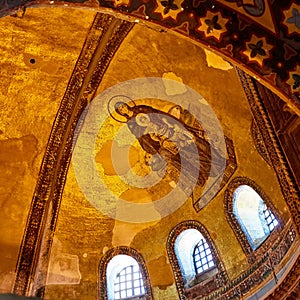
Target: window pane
point(270, 218)
point(255, 219)
point(128, 284)
point(202, 257)
point(123, 294)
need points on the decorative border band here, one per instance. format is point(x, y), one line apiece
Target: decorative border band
point(221, 277)
point(102, 290)
point(289, 188)
point(258, 272)
point(252, 256)
point(34, 254)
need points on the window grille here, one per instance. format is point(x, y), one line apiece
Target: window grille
point(202, 256)
point(128, 283)
point(270, 218)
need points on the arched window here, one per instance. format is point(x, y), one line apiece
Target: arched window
point(256, 220)
point(195, 260)
point(124, 278)
point(194, 255)
point(202, 257)
point(250, 213)
point(123, 275)
point(270, 218)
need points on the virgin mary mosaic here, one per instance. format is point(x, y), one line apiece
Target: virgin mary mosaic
point(159, 153)
point(173, 143)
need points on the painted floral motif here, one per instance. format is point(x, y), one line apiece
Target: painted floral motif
point(184, 28)
point(213, 25)
point(168, 8)
point(294, 80)
point(278, 24)
point(168, 5)
point(256, 9)
point(292, 19)
point(295, 18)
point(257, 50)
point(196, 3)
point(122, 3)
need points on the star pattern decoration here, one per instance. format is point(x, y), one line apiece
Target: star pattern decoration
point(257, 50)
point(122, 3)
point(294, 80)
point(213, 25)
point(292, 19)
point(169, 8)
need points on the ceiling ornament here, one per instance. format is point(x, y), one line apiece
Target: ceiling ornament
point(257, 50)
point(294, 80)
point(256, 8)
point(292, 19)
point(274, 24)
point(169, 8)
point(213, 25)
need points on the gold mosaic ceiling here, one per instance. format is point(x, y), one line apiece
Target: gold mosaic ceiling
point(49, 76)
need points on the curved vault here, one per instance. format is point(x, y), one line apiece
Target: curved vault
point(127, 52)
point(262, 37)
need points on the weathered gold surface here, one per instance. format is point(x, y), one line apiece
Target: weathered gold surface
point(84, 234)
point(38, 54)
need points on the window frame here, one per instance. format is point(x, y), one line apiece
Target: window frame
point(252, 254)
point(204, 242)
point(128, 278)
point(102, 274)
point(221, 275)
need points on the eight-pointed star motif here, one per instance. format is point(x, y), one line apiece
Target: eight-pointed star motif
point(294, 80)
point(169, 8)
point(213, 25)
point(292, 19)
point(257, 50)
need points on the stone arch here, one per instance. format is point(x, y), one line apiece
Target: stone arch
point(251, 253)
point(102, 286)
point(23, 276)
point(220, 279)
